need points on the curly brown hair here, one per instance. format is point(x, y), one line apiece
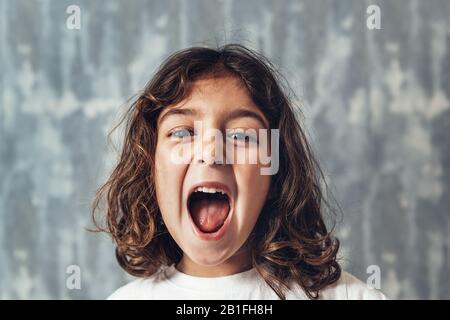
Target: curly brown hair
point(290, 241)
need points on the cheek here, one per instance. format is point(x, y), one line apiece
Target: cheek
point(168, 178)
point(253, 190)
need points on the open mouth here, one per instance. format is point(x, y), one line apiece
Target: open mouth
point(209, 208)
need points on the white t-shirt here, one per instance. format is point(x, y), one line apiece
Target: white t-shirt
point(171, 284)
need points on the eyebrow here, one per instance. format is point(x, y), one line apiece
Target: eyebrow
point(246, 113)
point(239, 113)
point(177, 111)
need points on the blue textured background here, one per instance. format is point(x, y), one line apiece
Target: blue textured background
point(376, 104)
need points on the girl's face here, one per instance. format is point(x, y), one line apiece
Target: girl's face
point(210, 208)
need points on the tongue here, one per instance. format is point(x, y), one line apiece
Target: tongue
point(209, 214)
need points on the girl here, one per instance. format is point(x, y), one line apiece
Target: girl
point(193, 222)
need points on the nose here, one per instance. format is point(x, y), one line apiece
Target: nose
point(209, 149)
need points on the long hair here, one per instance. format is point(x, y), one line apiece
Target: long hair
point(290, 243)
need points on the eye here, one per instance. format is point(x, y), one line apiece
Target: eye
point(240, 136)
point(243, 137)
point(181, 133)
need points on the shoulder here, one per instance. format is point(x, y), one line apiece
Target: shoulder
point(139, 289)
point(348, 287)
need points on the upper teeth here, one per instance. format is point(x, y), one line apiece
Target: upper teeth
point(208, 190)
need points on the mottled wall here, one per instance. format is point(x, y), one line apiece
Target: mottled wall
point(376, 104)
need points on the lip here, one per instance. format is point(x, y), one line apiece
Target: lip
point(219, 233)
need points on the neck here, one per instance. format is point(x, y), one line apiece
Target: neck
point(239, 262)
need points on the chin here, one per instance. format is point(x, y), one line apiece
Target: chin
point(209, 257)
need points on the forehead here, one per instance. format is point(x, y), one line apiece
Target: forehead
point(216, 95)
point(219, 82)
point(228, 91)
